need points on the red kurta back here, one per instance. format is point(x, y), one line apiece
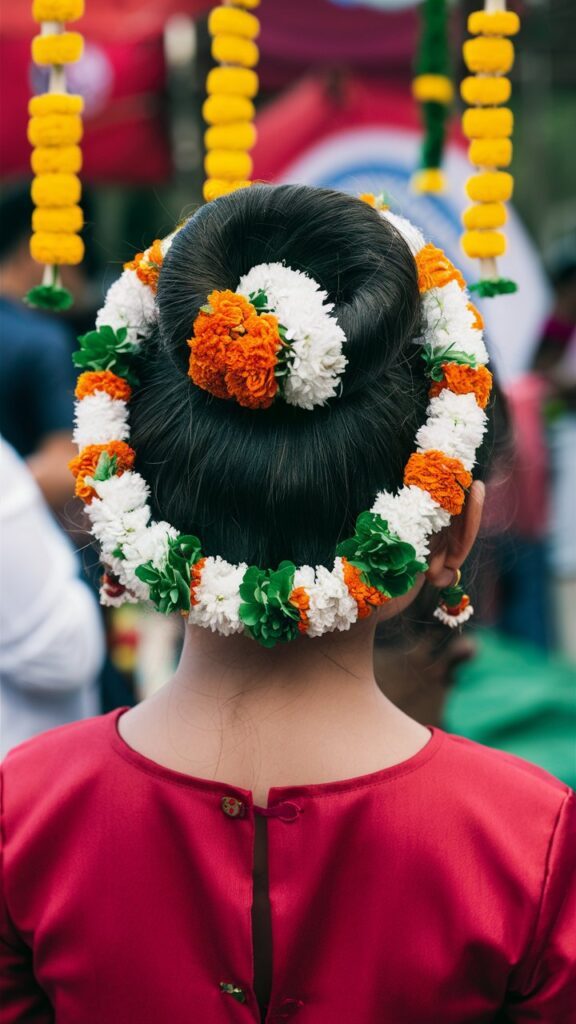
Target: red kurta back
point(439, 890)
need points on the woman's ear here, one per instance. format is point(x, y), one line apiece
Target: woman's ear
point(456, 542)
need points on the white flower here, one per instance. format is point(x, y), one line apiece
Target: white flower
point(411, 235)
point(148, 545)
point(454, 620)
point(317, 361)
point(455, 425)
point(413, 515)
point(99, 419)
point(129, 303)
point(448, 321)
point(218, 597)
point(123, 493)
point(114, 529)
point(331, 605)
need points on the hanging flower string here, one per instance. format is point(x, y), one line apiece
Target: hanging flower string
point(150, 561)
point(488, 125)
point(55, 132)
point(231, 87)
point(432, 88)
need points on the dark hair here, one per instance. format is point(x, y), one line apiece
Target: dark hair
point(284, 483)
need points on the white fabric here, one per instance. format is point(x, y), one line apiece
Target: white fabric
point(51, 637)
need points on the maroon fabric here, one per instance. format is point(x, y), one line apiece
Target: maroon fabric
point(438, 890)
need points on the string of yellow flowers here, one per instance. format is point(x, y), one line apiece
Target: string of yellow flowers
point(231, 87)
point(55, 132)
point(432, 88)
point(488, 125)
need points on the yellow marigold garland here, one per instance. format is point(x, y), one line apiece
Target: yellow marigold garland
point(54, 131)
point(488, 125)
point(432, 88)
point(228, 109)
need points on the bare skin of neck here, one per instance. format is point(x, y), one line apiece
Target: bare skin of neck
point(306, 712)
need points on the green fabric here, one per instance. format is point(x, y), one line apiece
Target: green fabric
point(515, 697)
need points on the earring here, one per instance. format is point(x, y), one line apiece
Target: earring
point(454, 608)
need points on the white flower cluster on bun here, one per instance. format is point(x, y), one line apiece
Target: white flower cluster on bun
point(316, 360)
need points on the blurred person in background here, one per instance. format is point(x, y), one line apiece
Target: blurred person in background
point(37, 377)
point(51, 638)
point(555, 363)
point(481, 684)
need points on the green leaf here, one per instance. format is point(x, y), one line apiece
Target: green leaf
point(488, 289)
point(49, 297)
point(170, 586)
point(106, 466)
point(206, 309)
point(266, 610)
point(385, 561)
point(107, 349)
point(435, 357)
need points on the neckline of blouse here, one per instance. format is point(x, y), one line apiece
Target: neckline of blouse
point(276, 793)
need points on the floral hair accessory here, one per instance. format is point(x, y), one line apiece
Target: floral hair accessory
point(276, 335)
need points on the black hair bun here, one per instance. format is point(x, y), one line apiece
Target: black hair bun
point(285, 483)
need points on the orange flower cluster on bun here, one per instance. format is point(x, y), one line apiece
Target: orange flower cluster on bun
point(234, 351)
point(301, 600)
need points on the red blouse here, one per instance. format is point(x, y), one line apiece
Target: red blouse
point(439, 890)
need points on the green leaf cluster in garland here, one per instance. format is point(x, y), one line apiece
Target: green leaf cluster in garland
point(170, 586)
point(266, 610)
point(434, 359)
point(107, 349)
point(388, 563)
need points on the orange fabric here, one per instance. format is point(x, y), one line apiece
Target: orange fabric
point(435, 269)
point(366, 597)
point(85, 463)
point(465, 380)
point(445, 479)
point(103, 380)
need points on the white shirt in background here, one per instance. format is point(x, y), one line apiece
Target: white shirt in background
point(51, 634)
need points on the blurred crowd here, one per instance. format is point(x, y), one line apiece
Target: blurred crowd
point(510, 680)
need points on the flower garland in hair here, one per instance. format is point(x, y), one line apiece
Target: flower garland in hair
point(148, 560)
point(488, 125)
point(432, 88)
point(231, 87)
point(55, 131)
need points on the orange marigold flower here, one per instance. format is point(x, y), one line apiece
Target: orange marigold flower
point(148, 264)
point(300, 598)
point(445, 479)
point(478, 318)
point(368, 197)
point(366, 597)
point(195, 579)
point(102, 380)
point(251, 362)
point(465, 380)
point(213, 332)
point(85, 463)
point(435, 269)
